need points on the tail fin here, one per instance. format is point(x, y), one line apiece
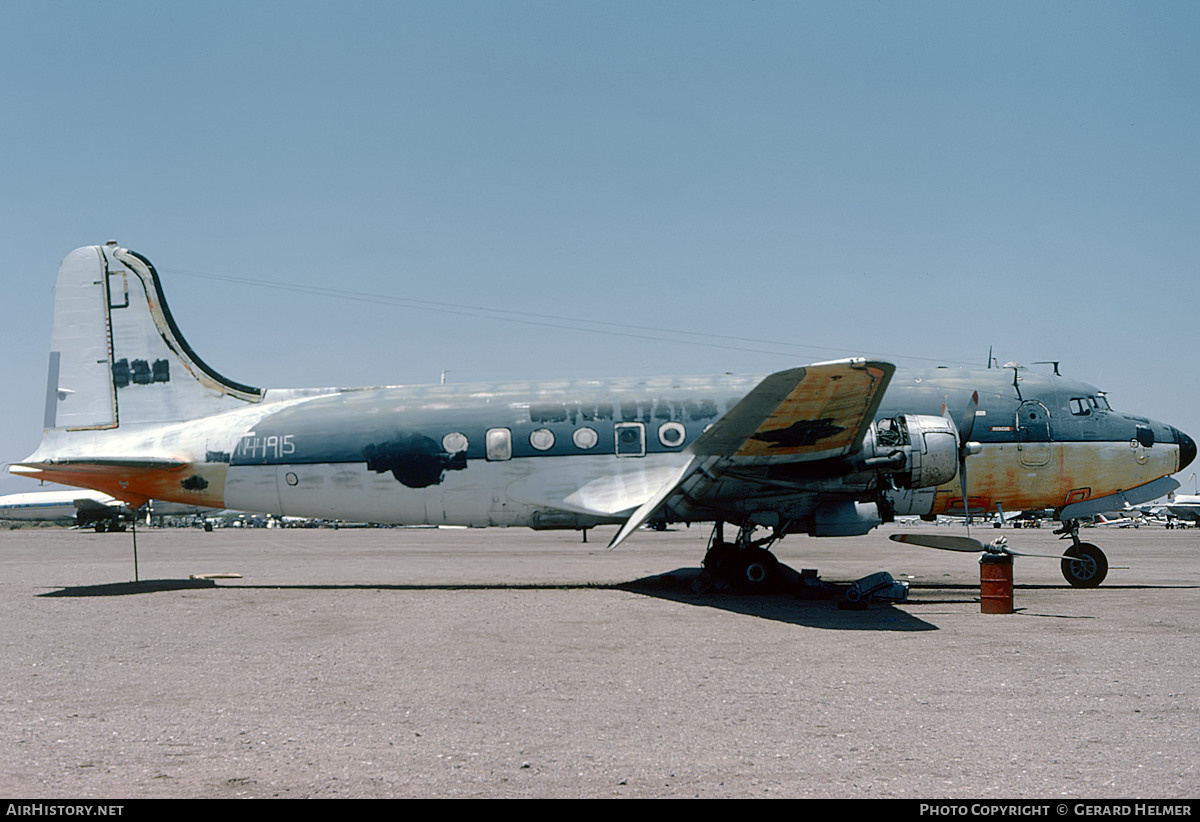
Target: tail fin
point(116, 355)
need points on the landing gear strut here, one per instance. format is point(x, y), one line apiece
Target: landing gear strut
point(745, 564)
point(1083, 565)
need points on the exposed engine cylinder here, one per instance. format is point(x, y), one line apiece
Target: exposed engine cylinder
point(915, 450)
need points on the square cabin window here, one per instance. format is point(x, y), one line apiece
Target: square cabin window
point(631, 439)
point(498, 443)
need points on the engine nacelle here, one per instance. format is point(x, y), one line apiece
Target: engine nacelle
point(915, 450)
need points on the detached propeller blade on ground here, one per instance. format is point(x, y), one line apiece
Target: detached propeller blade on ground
point(968, 545)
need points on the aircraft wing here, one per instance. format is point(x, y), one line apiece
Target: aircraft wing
point(804, 414)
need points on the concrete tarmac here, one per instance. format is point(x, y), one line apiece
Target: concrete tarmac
point(508, 663)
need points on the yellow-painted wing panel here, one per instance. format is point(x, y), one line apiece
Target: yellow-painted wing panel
point(815, 412)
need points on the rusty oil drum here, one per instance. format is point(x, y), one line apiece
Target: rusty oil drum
point(996, 584)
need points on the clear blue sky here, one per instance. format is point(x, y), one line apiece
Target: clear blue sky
point(920, 180)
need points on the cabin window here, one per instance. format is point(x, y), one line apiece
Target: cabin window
point(631, 439)
point(542, 439)
point(671, 434)
point(585, 438)
point(499, 443)
point(454, 442)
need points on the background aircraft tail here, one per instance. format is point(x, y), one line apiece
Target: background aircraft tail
point(116, 355)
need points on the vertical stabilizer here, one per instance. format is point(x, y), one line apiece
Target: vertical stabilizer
point(116, 355)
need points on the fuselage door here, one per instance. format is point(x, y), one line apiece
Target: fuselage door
point(1033, 434)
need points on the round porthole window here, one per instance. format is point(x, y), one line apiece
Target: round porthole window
point(671, 434)
point(542, 439)
point(454, 442)
point(585, 438)
point(291, 479)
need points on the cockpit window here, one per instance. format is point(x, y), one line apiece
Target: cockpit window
point(1082, 406)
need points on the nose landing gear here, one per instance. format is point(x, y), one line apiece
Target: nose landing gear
point(1083, 565)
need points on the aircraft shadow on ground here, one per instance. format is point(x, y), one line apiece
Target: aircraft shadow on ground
point(117, 589)
point(674, 586)
point(789, 606)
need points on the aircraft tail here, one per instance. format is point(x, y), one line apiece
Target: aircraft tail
point(116, 356)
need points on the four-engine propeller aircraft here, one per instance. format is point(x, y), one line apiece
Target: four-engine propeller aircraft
point(828, 449)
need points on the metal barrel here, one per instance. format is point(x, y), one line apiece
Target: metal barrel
point(996, 584)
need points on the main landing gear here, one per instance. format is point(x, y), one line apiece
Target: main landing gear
point(745, 565)
point(1083, 565)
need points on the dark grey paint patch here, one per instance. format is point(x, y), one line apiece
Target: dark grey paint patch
point(800, 433)
point(140, 372)
point(414, 460)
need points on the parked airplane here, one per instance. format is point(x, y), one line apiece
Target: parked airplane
point(1184, 506)
point(83, 507)
point(829, 449)
point(1114, 519)
point(87, 509)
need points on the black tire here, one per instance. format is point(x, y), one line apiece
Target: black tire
point(1088, 568)
point(757, 571)
point(721, 559)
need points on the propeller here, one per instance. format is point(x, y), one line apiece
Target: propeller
point(964, 426)
point(968, 545)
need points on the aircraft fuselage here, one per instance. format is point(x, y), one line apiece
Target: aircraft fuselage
point(579, 453)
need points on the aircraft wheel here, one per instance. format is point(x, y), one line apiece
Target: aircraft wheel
point(721, 559)
point(1089, 568)
point(757, 570)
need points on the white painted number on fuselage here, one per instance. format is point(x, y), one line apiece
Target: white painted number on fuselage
point(252, 447)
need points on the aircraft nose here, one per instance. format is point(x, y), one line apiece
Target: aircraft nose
point(1187, 448)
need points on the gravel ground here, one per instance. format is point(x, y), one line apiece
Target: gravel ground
point(508, 663)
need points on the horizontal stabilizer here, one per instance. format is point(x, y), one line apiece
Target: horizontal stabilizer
point(133, 480)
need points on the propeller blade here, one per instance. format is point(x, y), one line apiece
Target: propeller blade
point(962, 481)
point(945, 542)
point(1044, 556)
point(970, 545)
point(967, 423)
point(965, 426)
